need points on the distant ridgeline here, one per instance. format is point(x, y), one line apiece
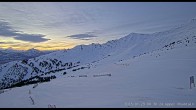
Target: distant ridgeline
point(8, 55)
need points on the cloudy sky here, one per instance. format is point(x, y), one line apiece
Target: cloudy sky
point(62, 25)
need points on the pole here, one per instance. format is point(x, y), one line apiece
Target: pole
point(190, 82)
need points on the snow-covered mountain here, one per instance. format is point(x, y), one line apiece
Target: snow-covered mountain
point(8, 55)
point(156, 65)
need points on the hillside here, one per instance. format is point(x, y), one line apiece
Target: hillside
point(137, 70)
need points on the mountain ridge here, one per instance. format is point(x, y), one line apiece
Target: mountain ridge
point(84, 56)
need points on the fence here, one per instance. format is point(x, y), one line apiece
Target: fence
point(102, 75)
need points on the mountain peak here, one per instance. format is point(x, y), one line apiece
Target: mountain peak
point(33, 50)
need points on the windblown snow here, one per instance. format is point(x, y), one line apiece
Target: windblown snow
point(138, 70)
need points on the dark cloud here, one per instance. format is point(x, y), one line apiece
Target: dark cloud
point(2, 42)
point(82, 36)
point(7, 42)
point(31, 37)
point(7, 31)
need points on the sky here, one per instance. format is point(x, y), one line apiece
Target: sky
point(63, 25)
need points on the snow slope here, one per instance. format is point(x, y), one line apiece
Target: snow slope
point(138, 70)
point(143, 80)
